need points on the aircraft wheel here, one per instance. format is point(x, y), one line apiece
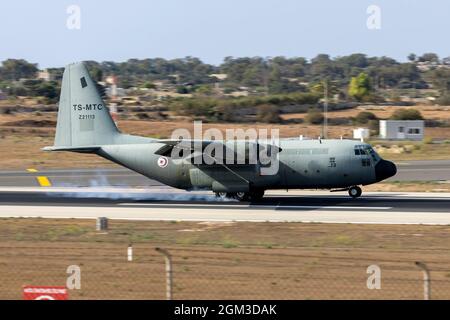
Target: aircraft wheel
point(242, 196)
point(222, 195)
point(355, 192)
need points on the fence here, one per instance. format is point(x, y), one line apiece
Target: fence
point(112, 271)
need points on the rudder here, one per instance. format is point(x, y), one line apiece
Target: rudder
point(83, 117)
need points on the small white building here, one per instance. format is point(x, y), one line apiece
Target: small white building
point(361, 134)
point(402, 129)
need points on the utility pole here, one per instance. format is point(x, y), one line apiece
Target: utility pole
point(325, 110)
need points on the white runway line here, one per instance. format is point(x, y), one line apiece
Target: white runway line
point(203, 205)
point(334, 207)
point(257, 206)
point(205, 214)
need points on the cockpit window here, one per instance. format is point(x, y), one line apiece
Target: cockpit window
point(359, 150)
point(364, 149)
point(372, 153)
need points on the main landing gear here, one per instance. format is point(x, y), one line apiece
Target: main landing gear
point(254, 195)
point(354, 192)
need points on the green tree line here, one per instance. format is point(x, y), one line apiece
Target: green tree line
point(354, 77)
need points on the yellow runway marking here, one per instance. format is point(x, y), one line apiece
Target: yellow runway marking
point(44, 181)
point(32, 170)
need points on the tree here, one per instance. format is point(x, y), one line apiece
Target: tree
point(359, 87)
point(279, 84)
point(356, 60)
point(406, 114)
point(49, 90)
point(268, 113)
point(15, 69)
point(314, 116)
point(182, 90)
point(149, 85)
point(204, 90)
point(318, 88)
point(440, 78)
point(429, 57)
point(364, 117)
point(97, 74)
point(412, 57)
point(322, 66)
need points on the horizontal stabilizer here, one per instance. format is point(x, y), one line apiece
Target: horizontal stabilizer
point(84, 149)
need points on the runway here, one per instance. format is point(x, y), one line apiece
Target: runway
point(433, 170)
point(166, 204)
point(123, 194)
point(424, 170)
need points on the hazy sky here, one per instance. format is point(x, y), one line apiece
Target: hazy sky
point(214, 29)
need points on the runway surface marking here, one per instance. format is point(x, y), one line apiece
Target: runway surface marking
point(43, 181)
point(223, 215)
point(257, 206)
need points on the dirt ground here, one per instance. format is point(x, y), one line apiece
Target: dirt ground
point(383, 112)
point(224, 260)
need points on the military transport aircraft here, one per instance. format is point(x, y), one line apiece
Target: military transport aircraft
point(84, 125)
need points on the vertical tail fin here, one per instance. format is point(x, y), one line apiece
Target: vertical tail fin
point(83, 117)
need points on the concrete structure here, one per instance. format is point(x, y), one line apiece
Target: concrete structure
point(45, 75)
point(402, 129)
point(361, 133)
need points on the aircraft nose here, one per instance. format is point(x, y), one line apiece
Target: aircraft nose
point(385, 169)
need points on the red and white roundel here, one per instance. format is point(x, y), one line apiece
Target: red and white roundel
point(163, 162)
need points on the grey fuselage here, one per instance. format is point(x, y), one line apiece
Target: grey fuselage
point(321, 164)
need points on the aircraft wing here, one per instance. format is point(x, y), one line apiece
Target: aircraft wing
point(193, 146)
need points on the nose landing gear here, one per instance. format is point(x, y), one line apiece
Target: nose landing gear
point(354, 192)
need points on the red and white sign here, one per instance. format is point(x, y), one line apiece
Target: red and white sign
point(45, 293)
point(163, 162)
